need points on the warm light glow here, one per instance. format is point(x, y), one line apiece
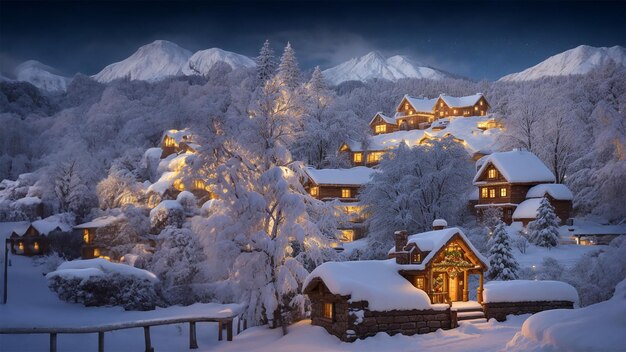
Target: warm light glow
point(358, 157)
point(96, 252)
point(328, 310)
point(481, 103)
point(381, 128)
point(36, 246)
point(440, 113)
point(178, 184)
point(374, 157)
point(169, 141)
point(483, 192)
point(20, 246)
point(475, 108)
point(455, 111)
point(347, 236)
point(420, 283)
point(344, 148)
point(492, 173)
point(86, 236)
point(199, 184)
point(492, 193)
point(345, 193)
point(314, 191)
point(410, 112)
point(503, 192)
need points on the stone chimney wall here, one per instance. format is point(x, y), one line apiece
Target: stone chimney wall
point(401, 238)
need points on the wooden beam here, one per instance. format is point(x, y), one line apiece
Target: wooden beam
point(480, 287)
point(101, 341)
point(146, 335)
point(465, 286)
point(219, 331)
point(53, 342)
point(229, 330)
point(193, 342)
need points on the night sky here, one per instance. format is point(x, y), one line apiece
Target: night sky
point(474, 39)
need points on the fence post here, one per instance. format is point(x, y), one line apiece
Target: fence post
point(100, 341)
point(219, 330)
point(53, 342)
point(146, 335)
point(229, 330)
point(193, 343)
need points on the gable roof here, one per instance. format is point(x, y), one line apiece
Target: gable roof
point(557, 191)
point(356, 176)
point(419, 104)
point(434, 241)
point(517, 166)
point(460, 102)
point(376, 281)
point(177, 135)
point(385, 118)
point(99, 222)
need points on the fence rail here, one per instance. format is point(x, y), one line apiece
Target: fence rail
point(223, 322)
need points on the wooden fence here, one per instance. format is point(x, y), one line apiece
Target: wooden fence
point(223, 322)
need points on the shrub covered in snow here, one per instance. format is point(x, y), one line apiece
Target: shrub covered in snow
point(167, 213)
point(97, 282)
point(188, 201)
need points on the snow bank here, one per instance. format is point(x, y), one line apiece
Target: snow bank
point(358, 175)
point(598, 327)
point(527, 209)
point(28, 201)
point(529, 291)
point(77, 268)
point(555, 190)
point(375, 281)
point(518, 166)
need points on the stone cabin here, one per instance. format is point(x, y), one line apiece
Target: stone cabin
point(411, 293)
point(341, 186)
point(517, 178)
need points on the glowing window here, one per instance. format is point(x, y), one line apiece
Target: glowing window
point(86, 236)
point(374, 157)
point(455, 111)
point(492, 173)
point(381, 128)
point(502, 192)
point(475, 108)
point(358, 157)
point(347, 236)
point(328, 310)
point(416, 257)
point(481, 103)
point(314, 191)
point(420, 283)
point(36, 247)
point(96, 252)
point(483, 192)
point(198, 184)
point(482, 113)
point(441, 105)
point(20, 245)
point(406, 106)
point(178, 184)
point(344, 148)
point(492, 193)
point(440, 113)
point(410, 112)
point(345, 193)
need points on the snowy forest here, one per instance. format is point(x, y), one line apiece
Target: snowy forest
point(83, 153)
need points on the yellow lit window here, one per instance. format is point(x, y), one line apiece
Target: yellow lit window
point(178, 184)
point(86, 236)
point(481, 103)
point(475, 108)
point(169, 141)
point(455, 111)
point(20, 245)
point(492, 173)
point(198, 184)
point(36, 246)
point(406, 106)
point(483, 192)
point(345, 193)
point(344, 148)
point(328, 310)
point(440, 113)
point(347, 236)
point(441, 105)
point(420, 283)
point(381, 128)
point(358, 157)
point(96, 252)
point(503, 192)
point(314, 191)
point(416, 257)
point(374, 157)
point(482, 113)
point(492, 193)
point(410, 112)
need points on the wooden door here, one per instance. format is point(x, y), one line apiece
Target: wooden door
point(453, 287)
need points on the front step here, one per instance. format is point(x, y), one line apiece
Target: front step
point(474, 321)
point(467, 314)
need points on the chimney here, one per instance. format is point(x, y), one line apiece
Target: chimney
point(439, 224)
point(401, 238)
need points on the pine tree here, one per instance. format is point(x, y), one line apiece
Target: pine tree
point(265, 63)
point(317, 83)
point(502, 264)
point(288, 71)
point(544, 231)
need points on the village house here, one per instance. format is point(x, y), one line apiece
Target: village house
point(33, 240)
point(515, 182)
point(342, 186)
point(414, 292)
point(88, 231)
point(177, 141)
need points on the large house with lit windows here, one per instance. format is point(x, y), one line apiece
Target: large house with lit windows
point(32, 239)
point(342, 186)
point(515, 182)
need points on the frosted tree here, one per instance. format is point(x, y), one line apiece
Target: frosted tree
point(176, 262)
point(544, 231)
point(265, 63)
point(71, 191)
point(288, 73)
point(502, 264)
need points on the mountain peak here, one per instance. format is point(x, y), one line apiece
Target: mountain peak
point(41, 76)
point(202, 61)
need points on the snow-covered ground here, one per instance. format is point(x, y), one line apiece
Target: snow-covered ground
point(566, 254)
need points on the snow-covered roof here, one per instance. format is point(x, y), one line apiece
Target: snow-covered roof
point(527, 209)
point(385, 118)
point(99, 222)
point(377, 282)
point(98, 267)
point(28, 201)
point(44, 226)
point(440, 222)
point(460, 102)
point(166, 204)
point(420, 104)
point(164, 183)
point(517, 166)
point(529, 291)
point(433, 241)
point(178, 135)
point(557, 191)
point(356, 176)
point(590, 228)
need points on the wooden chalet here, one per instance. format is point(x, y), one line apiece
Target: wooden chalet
point(342, 185)
point(358, 156)
point(90, 249)
point(505, 180)
point(381, 123)
point(176, 141)
point(33, 239)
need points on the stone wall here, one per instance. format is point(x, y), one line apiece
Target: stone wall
point(499, 310)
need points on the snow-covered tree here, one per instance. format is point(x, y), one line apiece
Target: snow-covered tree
point(71, 191)
point(265, 63)
point(288, 73)
point(502, 264)
point(544, 231)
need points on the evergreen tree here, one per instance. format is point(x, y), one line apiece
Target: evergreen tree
point(265, 63)
point(288, 71)
point(544, 231)
point(502, 264)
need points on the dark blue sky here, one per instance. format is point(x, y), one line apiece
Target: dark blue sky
point(474, 39)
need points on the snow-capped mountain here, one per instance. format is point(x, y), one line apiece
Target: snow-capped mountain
point(202, 61)
point(41, 76)
point(151, 62)
point(375, 65)
point(579, 60)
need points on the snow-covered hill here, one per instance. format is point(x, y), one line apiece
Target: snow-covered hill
point(375, 65)
point(579, 60)
point(202, 61)
point(41, 76)
point(151, 62)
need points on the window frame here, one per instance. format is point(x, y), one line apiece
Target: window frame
point(357, 157)
point(484, 192)
point(328, 311)
point(492, 193)
point(503, 192)
point(492, 173)
point(346, 193)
